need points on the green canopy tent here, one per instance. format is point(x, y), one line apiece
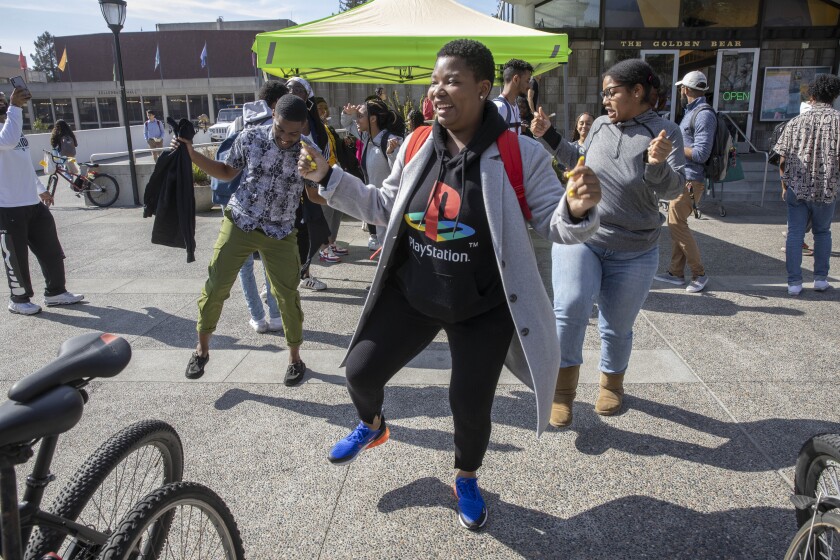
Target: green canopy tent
point(395, 41)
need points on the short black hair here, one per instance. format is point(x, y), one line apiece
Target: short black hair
point(292, 108)
point(635, 71)
point(150, 112)
point(271, 91)
point(318, 100)
point(825, 88)
point(515, 66)
point(478, 57)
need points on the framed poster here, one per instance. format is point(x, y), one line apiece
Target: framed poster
point(785, 89)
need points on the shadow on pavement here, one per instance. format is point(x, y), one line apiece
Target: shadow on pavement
point(710, 304)
point(637, 526)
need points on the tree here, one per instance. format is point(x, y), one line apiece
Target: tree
point(44, 59)
point(344, 5)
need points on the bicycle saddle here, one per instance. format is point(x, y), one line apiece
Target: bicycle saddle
point(52, 413)
point(88, 355)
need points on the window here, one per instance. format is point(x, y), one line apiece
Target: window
point(243, 98)
point(64, 110)
point(42, 109)
point(642, 13)
point(199, 105)
point(135, 110)
point(222, 102)
point(87, 113)
point(720, 13)
point(108, 115)
point(155, 104)
point(177, 106)
point(801, 13)
point(568, 13)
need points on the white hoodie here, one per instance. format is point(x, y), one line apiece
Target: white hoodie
point(19, 186)
point(252, 112)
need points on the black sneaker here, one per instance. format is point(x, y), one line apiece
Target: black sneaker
point(195, 368)
point(294, 373)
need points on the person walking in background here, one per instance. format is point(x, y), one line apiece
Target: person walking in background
point(534, 94)
point(25, 219)
point(639, 158)
point(369, 122)
point(64, 144)
point(567, 152)
point(698, 127)
point(415, 119)
point(810, 170)
point(153, 132)
point(457, 258)
point(516, 74)
point(259, 217)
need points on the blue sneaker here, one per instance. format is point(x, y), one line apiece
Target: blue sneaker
point(357, 441)
point(471, 510)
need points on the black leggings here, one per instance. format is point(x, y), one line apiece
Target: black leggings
point(30, 227)
point(395, 333)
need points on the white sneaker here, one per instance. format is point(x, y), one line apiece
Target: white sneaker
point(821, 285)
point(27, 308)
point(312, 283)
point(275, 324)
point(63, 299)
point(697, 284)
point(260, 326)
point(373, 243)
point(794, 289)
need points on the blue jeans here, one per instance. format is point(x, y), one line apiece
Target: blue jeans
point(252, 292)
point(619, 281)
point(798, 213)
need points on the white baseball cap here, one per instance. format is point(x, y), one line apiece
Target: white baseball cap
point(695, 80)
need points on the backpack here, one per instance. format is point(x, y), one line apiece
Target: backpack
point(508, 143)
point(509, 107)
point(222, 190)
point(717, 165)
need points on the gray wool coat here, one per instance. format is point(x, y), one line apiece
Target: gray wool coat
point(534, 354)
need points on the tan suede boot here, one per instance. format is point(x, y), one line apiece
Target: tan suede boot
point(611, 393)
point(564, 396)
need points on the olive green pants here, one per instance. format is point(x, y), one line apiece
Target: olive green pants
point(281, 260)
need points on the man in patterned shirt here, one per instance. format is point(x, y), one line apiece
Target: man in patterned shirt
point(810, 169)
point(259, 217)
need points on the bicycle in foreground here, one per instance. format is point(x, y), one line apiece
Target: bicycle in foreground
point(100, 188)
point(127, 500)
point(817, 500)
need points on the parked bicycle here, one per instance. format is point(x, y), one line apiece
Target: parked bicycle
point(127, 500)
point(817, 500)
point(100, 189)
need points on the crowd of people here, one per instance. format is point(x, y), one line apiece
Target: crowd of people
point(436, 192)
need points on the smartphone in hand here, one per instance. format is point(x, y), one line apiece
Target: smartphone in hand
point(18, 82)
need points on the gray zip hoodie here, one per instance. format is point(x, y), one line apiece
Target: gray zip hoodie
point(631, 188)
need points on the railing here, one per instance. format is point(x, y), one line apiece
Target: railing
point(113, 155)
point(756, 150)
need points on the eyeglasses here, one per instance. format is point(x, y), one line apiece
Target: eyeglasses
point(609, 92)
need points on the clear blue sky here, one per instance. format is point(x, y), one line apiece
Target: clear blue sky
point(24, 21)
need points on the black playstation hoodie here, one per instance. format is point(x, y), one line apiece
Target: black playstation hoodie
point(445, 265)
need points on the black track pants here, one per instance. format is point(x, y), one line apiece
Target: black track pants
point(30, 227)
point(395, 333)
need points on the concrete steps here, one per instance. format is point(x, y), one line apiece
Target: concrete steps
point(749, 189)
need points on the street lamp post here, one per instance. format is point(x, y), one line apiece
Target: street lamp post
point(114, 13)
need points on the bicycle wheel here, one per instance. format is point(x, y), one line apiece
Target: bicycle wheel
point(818, 468)
point(52, 183)
point(103, 190)
point(817, 540)
point(129, 465)
point(181, 520)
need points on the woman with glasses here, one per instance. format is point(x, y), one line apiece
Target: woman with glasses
point(639, 158)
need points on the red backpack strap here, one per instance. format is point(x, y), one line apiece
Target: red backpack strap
point(508, 143)
point(416, 141)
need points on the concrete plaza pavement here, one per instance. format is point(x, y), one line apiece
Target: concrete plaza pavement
point(723, 389)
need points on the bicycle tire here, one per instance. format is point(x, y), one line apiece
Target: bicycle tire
point(108, 195)
point(52, 183)
point(159, 510)
point(92, 476)
point(817, 540)
point(818, 466)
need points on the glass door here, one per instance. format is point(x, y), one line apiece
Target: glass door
point(735, 81)
point(665, 64)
